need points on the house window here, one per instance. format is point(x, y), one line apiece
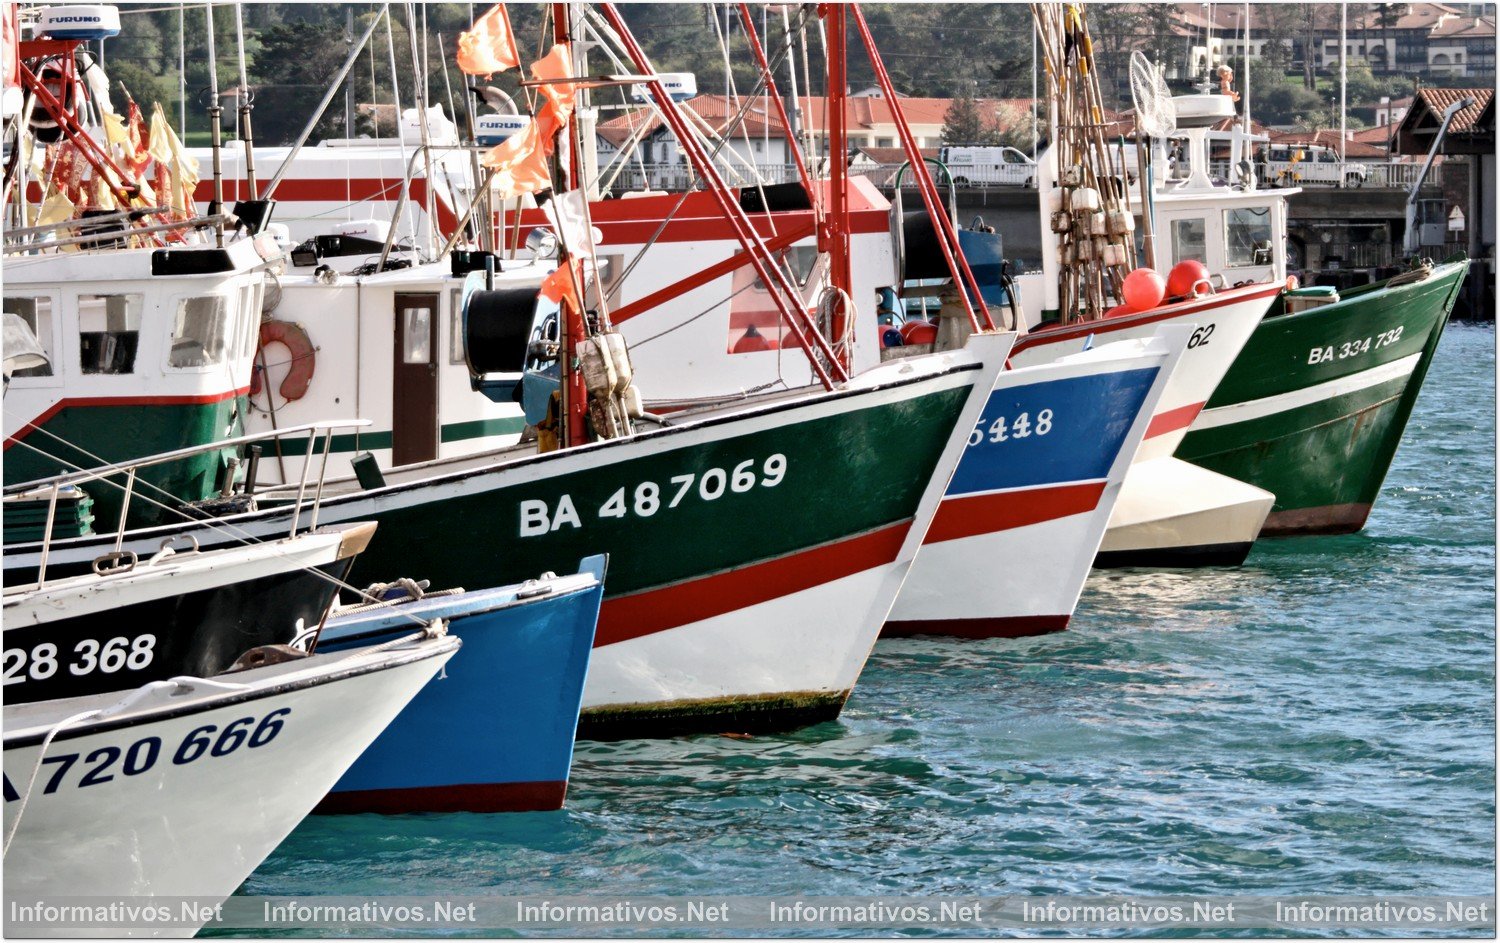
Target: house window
point(37, 313)
point(885, 142)
point(109, 330)
point(198, 332)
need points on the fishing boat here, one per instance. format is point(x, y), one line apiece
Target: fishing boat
point(495, 733)
point(146, 314)
point(711, 620)
point(179, 611)
point(180, 788)
point(1313, 406)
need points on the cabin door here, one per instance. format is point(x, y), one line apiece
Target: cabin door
point(414, 409)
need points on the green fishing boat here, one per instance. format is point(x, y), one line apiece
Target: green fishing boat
point(1314, 407)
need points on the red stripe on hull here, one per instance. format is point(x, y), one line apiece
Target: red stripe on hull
point(1052, 335)
point(656, 610)
point(970, 516)
point(493, 797)
point(999, 627)
point(1329, 519)
point(1173, 419)
point(205, 399)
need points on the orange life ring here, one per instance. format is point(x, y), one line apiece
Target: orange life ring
point(304, 358)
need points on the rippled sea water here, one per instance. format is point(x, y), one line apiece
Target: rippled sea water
point(1318, 721)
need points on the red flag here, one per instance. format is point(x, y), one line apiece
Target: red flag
point(489, 46)
point(140, 154)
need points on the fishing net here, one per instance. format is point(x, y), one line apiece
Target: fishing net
point(1155, 112)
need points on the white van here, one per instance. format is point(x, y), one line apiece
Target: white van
point(988, 164)
point(1291, 165)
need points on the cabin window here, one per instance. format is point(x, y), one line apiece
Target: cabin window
point(456, 326)
point(1247, 231)
point(109, 331)
point(1188, 240)
point(37, 313)
point(198, 332)
point(417, 329)
point(248, 334)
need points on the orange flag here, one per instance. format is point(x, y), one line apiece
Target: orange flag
point(563, 284)
point(488, 46)
point(561, 96)
point(520, 163)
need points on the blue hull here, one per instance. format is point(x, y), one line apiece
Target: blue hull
point(494, 733)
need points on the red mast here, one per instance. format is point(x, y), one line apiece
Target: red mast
point(833, 229)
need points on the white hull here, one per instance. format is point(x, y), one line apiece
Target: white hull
point(1170, 506)
point(196, 828)
point(806, 644)
point(1024, 580)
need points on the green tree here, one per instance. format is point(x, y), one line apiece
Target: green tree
point(964, 122)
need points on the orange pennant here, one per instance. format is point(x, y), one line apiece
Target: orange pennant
point(489, 46)
point(520, 163)
point(561, 284)
point(560, 96)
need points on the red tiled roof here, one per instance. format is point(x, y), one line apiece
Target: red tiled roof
point(894, 155)
point(1477, 27)
point(1330, 140)
point(864, 113)
point(1438, 100)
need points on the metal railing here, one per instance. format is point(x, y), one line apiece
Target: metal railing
point(1353, 174)
point(52, 487)
point(677, 177)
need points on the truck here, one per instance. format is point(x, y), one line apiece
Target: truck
point(1291, 165)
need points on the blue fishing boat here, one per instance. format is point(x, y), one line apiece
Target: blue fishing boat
point(494, 733)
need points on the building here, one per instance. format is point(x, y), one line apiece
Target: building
point(1442, 38)
point(762, 139)
point(1470, 145)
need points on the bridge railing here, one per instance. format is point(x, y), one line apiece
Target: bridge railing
point(1380, 175)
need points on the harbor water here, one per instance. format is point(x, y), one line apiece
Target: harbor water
point(1318, 721)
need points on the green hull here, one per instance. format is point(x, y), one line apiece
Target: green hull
point(86, 436)
point(1314, 407)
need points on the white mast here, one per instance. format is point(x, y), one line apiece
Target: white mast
point(1343, 81)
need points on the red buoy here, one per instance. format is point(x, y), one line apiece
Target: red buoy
point(1144, 289)
point(1184, 278)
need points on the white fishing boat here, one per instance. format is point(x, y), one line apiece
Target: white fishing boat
point(180, 788)
point(182, 610)
point(145, 311)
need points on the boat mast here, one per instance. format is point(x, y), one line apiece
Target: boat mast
point(215, 118)
point(246, 134)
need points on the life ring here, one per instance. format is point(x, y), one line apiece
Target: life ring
point(304, 358)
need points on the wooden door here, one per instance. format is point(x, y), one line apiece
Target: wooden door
point(414, 409)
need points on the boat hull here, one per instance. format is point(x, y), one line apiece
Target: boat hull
point(1222, 324)
point(234, 776)
point(1015, 536)
point(1315, 408)
point(1174, 515)
point(711, 524)
point(122, 632)
point(495, 732)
